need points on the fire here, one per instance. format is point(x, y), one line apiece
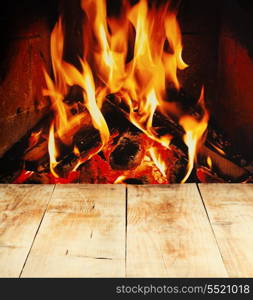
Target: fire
point(157, 159)
point(153, 35)
point(218, 149)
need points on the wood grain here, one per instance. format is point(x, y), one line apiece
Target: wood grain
point(82, 234)
point(230, 208)
point(21, 210)
point(81, 231)
point(168, 234)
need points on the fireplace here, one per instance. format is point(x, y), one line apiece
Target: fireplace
point(142, 92)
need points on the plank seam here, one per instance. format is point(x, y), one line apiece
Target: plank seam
point(37, 232)
point(126, 222)
point(209, 220)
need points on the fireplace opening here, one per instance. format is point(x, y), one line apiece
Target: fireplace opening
point(142, 92)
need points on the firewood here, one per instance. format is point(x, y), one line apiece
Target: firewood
point(226, 168)
point(83, 138)
point(75, 94)
point(128, 153)
point(164, 124)
point(177, 163)
point(87, 138)
point(37, 152)
point(205, 175)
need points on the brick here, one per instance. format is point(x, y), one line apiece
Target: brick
point(199, 16)
point(16, 97)
point(13, 129)
point(234, 106)
point(21, 102)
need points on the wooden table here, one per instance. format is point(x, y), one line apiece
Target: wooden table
point(185, 230)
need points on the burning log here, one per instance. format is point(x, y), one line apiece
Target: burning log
point(177, 163)
point(129, 152)
point(205, 175)
point(126, 154)
point(164, 124)
point(75, 94)
point(86, 139)
point(37, 153)
point(226, 169)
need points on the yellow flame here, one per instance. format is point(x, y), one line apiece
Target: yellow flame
point(218, 149)
point(91, 104)
point(120, 179)
point(194, 131)
point(76, 151)
point(209, 162)
point(157, 159)
point(52, 151)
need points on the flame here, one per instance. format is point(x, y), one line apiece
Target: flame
point(135, 55)
point(52, 151)
point(143, 118)
point(76, 151)
point(158, 160)
point(209, 162)
point(152, 67)
point(218, 149)
point(194, 131)
point(91, 104)
point(120, 179)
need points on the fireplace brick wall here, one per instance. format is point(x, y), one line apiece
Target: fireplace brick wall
point(21, 100)
point(199, 21)
point(233, 108)
point(25, 35)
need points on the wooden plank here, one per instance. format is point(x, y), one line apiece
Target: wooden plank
point(21, 210)
point(230, 208)
point(82, 234)
point(168, 234)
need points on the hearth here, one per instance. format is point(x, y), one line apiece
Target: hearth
point(142, 92)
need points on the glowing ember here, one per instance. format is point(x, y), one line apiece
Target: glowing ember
point(24, 175)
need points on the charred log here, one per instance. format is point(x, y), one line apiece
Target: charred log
point(177, 163)
point(86, 139)
point(128, 153)
point(75, 94)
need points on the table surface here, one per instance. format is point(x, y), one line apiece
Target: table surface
point(187, 230)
